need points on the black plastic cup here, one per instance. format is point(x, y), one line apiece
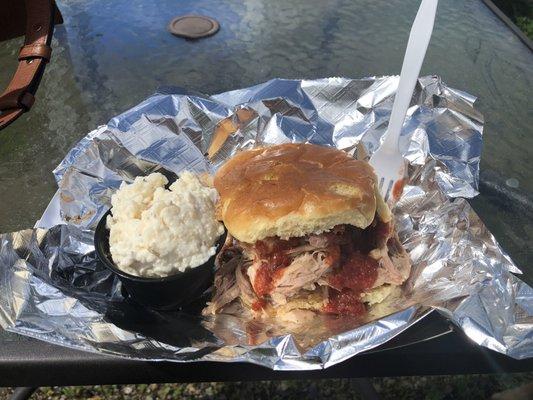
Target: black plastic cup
point(167, 293)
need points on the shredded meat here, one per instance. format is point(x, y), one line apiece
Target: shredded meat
point(400, 258)
point(338, 265)
point(280, 271)
point(393, 260)
point(340, 234)
point(303, 249)
point(247, 294)
point(387, 273)
point(317, 241)
point(302, 273)
point(225, 285)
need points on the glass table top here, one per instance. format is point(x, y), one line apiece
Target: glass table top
point(109, 56)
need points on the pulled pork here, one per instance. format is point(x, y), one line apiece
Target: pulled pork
point(345, 262)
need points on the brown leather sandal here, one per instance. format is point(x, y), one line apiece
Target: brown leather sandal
point(33, 56)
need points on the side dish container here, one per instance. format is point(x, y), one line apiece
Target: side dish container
point(165, 293)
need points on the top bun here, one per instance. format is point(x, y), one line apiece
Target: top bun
point(293, 190)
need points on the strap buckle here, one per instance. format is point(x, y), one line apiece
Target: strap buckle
point(31, 51)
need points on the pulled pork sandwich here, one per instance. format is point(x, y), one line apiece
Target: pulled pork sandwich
point(308, 231)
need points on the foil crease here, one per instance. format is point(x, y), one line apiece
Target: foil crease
point(52, 288)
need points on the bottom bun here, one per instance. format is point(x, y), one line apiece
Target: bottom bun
point(316, 301)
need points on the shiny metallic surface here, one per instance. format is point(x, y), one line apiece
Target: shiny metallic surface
point(51, 288)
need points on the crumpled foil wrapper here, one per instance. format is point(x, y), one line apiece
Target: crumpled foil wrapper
point(52, 288)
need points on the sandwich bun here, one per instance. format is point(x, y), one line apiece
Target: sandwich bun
point(292, 190)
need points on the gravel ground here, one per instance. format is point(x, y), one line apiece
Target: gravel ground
point(412, 388)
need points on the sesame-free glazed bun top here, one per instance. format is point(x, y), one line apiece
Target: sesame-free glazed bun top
point(292, 190)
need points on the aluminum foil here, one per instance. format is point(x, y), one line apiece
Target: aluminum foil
point(52, 288)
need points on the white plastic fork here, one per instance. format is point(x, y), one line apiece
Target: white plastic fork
point(387, 160)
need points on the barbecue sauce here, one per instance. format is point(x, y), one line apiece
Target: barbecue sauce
point(345, 302)
point(397, 189)
point(274, 258)
point(357, 274)
point(259, 305)
point(354, 274)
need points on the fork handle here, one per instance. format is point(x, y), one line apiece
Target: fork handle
point(412, 62)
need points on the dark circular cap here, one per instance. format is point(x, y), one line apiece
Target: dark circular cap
point(193, 26)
